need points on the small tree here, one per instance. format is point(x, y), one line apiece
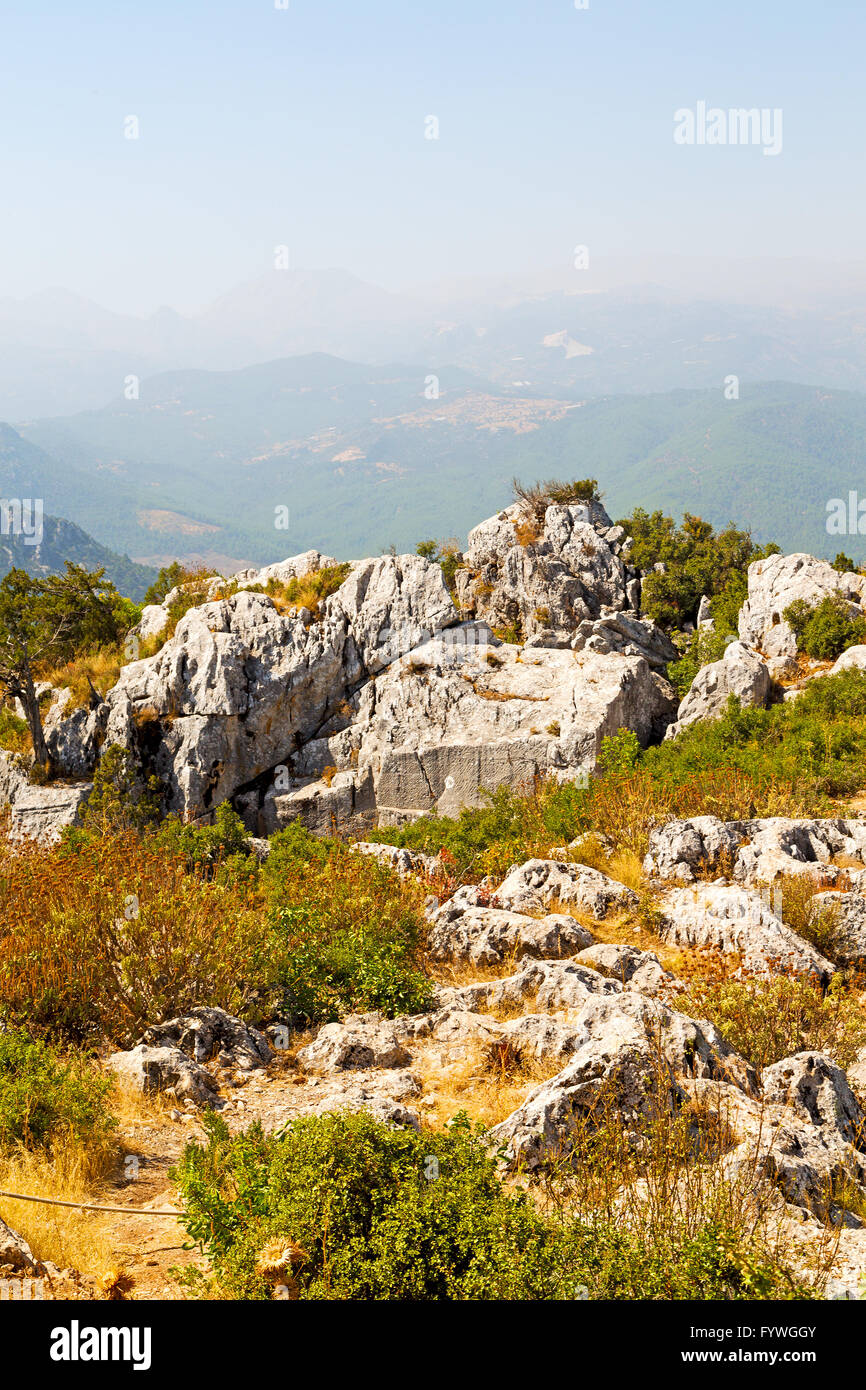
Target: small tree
point(45, 620)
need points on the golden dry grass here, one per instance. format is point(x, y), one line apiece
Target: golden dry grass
point(102, 667)
point(465, 1077)
point(65, 1236)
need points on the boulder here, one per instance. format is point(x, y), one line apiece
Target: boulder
point(153, 621)
point(206, 1033)
point(705, 613)
point(639, 970)
point(361, 1041)
point(405, 862)
point(239, 687)
point(625, 1046)
point(849, 922)
point(774, 584)
point(808, 1162)
point(486, 935)
point(755, 851)
point(817, 1091)
point(74, 739)
point(740, 672)
point(540, 1037)
point(545, 577)
point(622, 632)
point(543, 883)
point(731, 919)
point(456, 717)
point(284, 571)
point(555, 984)
point(39, 813)
point(164, 1069)
point(854, 659)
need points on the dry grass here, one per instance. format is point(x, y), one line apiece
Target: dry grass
point(527, 531)
point(485, 1081)
point(65, 1236)
point(102, 668)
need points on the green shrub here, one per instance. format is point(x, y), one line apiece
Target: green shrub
point(204, 845)
point(346, 933)
point(45, 1100)
point(121, 799)
point(699, 648)
point(619, 752)
point(697, 560)
point(378, 1212)
point(345, 1207)
point(826, 629)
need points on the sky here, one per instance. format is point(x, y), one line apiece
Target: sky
point(305, 127)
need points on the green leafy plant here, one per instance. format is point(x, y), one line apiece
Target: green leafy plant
point(46, 1099)
point(826, 629)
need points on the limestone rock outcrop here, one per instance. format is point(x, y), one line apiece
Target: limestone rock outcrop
point(740, 672)
point(546, 577)
point(774, 584)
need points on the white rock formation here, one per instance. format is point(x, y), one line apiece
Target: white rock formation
point(774, 584)
point(740, 672)
point(756, 851)
point(567, 573)
point(731, 919)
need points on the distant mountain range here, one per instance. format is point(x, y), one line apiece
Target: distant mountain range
point(363, 458)
point(573, 333)
point(62, 541)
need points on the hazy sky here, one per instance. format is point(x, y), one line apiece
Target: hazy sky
point(306, 126)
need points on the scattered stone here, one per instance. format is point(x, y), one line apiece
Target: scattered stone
point(755, 851)
point(15, 1253)
point(156, 1069)
point(361, 1041)
point(205, 1032)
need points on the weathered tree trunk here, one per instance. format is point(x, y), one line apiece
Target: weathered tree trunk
point(34, 721)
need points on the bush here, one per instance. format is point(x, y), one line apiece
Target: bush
point(308, 591)
point(697, 560)
point(45, 1101)
point(768, 1019)
point(372, 1211)
point(14, 733)
point(168, 578)
point(446, 554)
point(346, 934)
point(100, 937)
point(121, 798)
point(825, 630)
point(537, 497)
point(699, 648)
point(205, 845)
point(344, 1207)
point(619, 752)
